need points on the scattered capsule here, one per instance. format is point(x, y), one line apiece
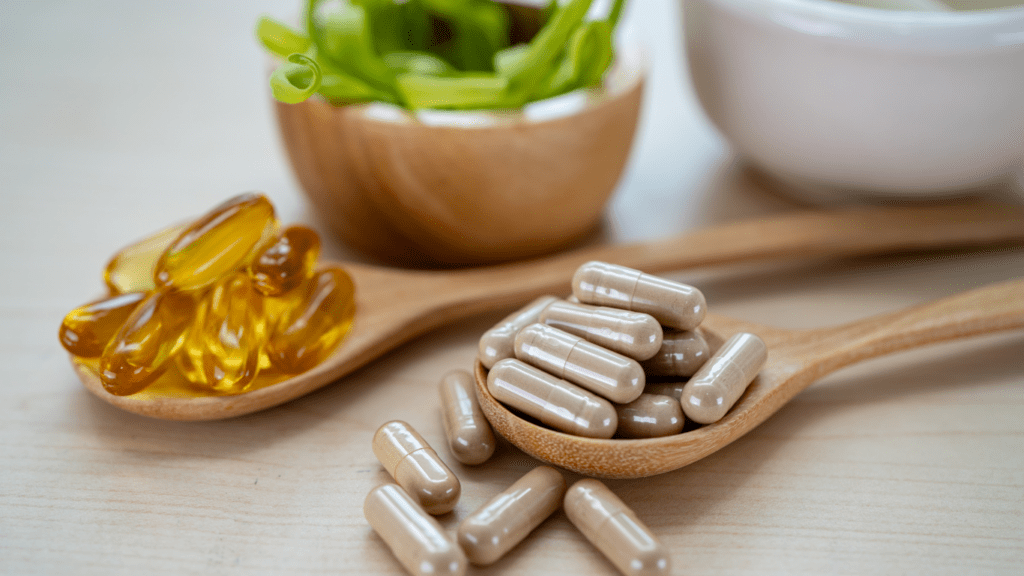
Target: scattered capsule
point(309, 329)
point(682, 353)
point(86, 330)
point(720, 382)
point(615, 530)
point(217, 243)
point(650, 416)
point(632, 334)
point(671, 303)
point(505, 520)
point(571, 358)
point(470, 438)
point(417, 540)
point(555, 402)
point(672, 389)
point(138, 354)
point(287, 262)
point(416, 467)
point(498, 343)
point(131, 269)
point(223, 346)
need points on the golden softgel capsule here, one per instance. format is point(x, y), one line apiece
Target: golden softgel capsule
point(416, 467)
point(615, 530)
point(312, 325)
point(489, 533)
point(470, 438)
point(553, 401)
point(417, 540)
point(632, 334)
point(671, 303)
point(139, 353)
point(682, 353)
point(712, 391)
point(287, 262)
point(131, 269)
point(498, 343)
point(88, 329)
point(217, 243)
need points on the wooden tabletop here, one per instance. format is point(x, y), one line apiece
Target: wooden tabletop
point(118, 118)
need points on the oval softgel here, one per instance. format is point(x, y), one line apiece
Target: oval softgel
point(673, 304)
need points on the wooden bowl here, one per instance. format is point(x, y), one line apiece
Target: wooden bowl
point(464, 187)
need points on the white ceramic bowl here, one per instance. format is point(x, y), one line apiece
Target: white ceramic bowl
point(840, 100)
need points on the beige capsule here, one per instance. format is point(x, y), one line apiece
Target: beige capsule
point(498, 343)
point(632, 334)
point(553, 401)
point(672, 389)
point(505, 520)
point(615, 530)
point(572, 358)
point(671, 303)
point(650, 416)
point(416, 467)
point(682, 353)
point(720, 382)
point(470, 438)
point(417, 540)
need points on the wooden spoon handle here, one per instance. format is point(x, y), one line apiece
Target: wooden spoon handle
point(990, 309)
point(809, 233)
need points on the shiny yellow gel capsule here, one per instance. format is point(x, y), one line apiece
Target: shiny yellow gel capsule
point(223, 346)
point(131, 269)
point(86, 330)
point(314, 323)
point(217, 243)
point(139, 352)
point(287, 262)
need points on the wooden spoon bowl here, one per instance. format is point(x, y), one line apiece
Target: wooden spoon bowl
point(796, 359)
point(393, 306)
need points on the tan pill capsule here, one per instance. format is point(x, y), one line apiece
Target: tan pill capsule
point(682, 353)
point(417, 540)
point(613, 528)
point(632, 334)
point(571, 358)
point(498, 343)
point(553, 401)
point(671, 303)
point(416, 467)
point(489, 533)
point(671, 389)
point(720, 382)
point(650, 416)
point(469, 435)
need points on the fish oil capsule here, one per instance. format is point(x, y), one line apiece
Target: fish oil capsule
point(571, 358)
point(650, 416)
point(615, 530)
point(223, 346)
point(417, 540)
point(671, 389)
point(217, 243)
point(553, 401)
point(138, 354)
point(498, 343)
point(310, 328)
point(720, 382)
point(632, 334)
point(505, 520)
point(416, 467)
point(86, 330)
point(682, 353)
point(671, 303)
point(287, 262)
point(469, 435)
point(131, 269)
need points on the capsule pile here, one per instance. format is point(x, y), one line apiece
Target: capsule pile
point(215, 303)
point(623, 357)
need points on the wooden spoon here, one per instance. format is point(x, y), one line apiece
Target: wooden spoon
point(393, 305)
point(795, 360)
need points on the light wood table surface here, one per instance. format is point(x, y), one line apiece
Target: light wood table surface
point(117, 118)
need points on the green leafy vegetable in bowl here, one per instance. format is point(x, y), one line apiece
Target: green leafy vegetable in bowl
point(447, 54)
